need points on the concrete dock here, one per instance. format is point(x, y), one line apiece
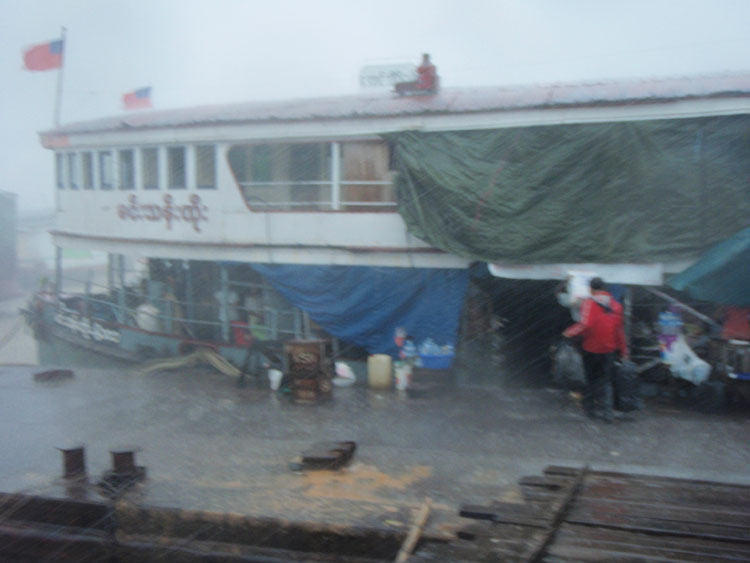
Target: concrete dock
point(209, 445)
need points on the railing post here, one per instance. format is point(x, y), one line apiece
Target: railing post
point(121, 292)
point(628, 315)
point(110, 275)
point(187, 272)
point(224, 302)
point(335, 175)
point(58, 271)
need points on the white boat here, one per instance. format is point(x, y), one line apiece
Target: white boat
point(262, 218)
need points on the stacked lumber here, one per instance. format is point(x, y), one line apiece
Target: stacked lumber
point(571, 514)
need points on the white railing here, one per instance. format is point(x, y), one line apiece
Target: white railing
point(331, 198)
point(277, 324)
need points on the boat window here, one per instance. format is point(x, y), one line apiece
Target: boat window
point(59, 171)
point(284, 176)
point(127, 170)
point(87, 160)
point(366, 178)
point(73, 170)
point(176, 168)
point(106, 172)
point(150, 162)
point(300, 176)
point(205, 167)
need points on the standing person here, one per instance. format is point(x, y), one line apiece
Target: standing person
point(602, 328)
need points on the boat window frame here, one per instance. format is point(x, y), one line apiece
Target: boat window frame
point(149, 185)
point(122, 169)
point(60, 170)
point(199, 166)
point(171, 185)
point(72, 169)
point(88, 172)
point(106, 177)
point(334, 180)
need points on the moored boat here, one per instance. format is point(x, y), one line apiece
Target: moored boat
point(351, 217)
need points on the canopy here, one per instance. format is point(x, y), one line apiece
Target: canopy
point(609, 193)
point(722, 275)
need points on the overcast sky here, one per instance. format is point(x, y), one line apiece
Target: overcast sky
point(212, 51)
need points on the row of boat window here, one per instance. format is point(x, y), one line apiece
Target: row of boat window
point(128, 169)
point(313, 175)
point(319, 175)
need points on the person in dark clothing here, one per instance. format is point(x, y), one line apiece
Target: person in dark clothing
point(603, 332)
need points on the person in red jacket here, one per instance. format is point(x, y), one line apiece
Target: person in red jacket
point(427, 79)
point(603, 332)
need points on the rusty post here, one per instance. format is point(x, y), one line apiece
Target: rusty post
point(74, 462)
point(123, 461)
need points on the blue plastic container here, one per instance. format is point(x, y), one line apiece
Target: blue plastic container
point(441, 361)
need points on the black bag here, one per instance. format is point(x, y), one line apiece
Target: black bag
point(568, 366)
point(627, 388)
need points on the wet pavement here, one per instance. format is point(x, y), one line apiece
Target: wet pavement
point(209, 445)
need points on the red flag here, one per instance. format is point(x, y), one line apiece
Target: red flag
point(46, 56)
point(138, 99)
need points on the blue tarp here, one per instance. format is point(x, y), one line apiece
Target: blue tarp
point(722, 275)
point(364, 305)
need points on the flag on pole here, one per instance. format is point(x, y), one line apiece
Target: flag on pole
point(138, 99)
point(45, 56)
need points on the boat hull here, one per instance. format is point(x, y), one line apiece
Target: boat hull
point(65, 337)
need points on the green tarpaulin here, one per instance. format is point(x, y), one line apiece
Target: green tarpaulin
point(722, 275)
point(624, 192)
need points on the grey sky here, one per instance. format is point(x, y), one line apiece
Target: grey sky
point(204, 52)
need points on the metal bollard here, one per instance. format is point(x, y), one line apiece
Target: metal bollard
point(74, 462)
point(123, 461)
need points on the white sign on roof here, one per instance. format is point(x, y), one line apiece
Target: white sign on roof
point(385, 76)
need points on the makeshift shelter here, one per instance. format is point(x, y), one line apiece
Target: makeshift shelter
point(722, 275)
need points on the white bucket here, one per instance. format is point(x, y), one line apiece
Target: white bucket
point(379, 371)
point(403, 376)
point(274, 377)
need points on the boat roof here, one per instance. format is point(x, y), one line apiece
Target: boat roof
point(446, 101)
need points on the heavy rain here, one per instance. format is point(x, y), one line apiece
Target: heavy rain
point(396, 281)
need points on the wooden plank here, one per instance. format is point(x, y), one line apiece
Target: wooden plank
point(506, 512)
point(558, 512)
point(545, 482)
point(640, 477)
point(677, 513)
point(674, 490)
point(502, 532)
point(591, 544)
point(619, 516)
point(415, 531)
point(653, 524)
point(733, 511)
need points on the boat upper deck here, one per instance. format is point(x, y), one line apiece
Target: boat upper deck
point(310, 181)
point(604, 101)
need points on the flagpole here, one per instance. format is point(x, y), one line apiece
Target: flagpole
point(58, 95)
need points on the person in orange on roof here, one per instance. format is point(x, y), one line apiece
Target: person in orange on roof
point(428, 78)
point(426, 82)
